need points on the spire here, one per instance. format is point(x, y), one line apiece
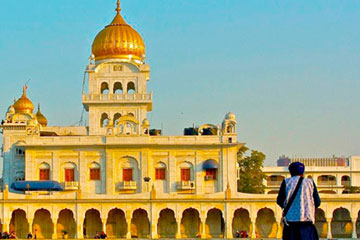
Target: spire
point(24, 89)
point(118, 9)
point(39, 107)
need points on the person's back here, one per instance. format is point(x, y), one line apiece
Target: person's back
point(299, 216)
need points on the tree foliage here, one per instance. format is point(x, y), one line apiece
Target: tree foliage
point(251, 174)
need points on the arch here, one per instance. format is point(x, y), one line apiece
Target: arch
point(160, 165)
point(44, 171)
point(92, 223)
point(116, 226)
point(66, 224)
point(117, 116)
point(42, 226)
point(358, 225)
point(345, 181)
point(275, 180)
point(241, 221)
point(44, 165)
point(118, 89)
point(186, 171)
point(104, 121)
point(341, 226)
point(19, 223)
point(266, 225)
point(140, 224)
point(326, 180)
point(214, 224)
point(131, 88)
point(320, 223)
point(104, 88)
point(167, 226)
point(190, 223)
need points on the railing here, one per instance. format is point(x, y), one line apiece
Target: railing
point(70, 185)
point(186, 185)
point(274, 183)
point(127, 185)
point(326, 183)
point(116, 97)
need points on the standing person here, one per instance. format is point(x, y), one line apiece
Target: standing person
point(298, 197)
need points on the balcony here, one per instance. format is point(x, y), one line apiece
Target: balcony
point(186, 185)
point(117, 98)
point(127, 185)
point(70, 186)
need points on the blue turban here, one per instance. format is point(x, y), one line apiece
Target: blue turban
point(296, 168)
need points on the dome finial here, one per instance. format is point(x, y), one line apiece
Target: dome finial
point(38, 106)
point(118, 9)
point(24, 89)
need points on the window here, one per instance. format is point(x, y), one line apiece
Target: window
point(185, 174)
point(44, 174)
point(160, 174)
point(69, 175)
point(95, 174)
point(211, 174)
point(127, 174)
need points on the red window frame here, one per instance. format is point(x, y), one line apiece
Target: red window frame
point(127, 174)
point(69, 175)
point(185, 174)
point(44, 174)
point(211, 173)
point(95, 174)
point(160, 174)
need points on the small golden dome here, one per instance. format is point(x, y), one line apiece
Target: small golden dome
point(119, 41)
point(11, 110)
point(23, 104)
point(41, 118)
point(145, 122)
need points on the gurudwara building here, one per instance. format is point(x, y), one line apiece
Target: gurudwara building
point(120, 176)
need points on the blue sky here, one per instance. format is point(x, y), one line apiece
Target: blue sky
point(289, 70)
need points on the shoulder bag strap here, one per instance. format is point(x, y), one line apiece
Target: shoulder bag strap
point(292, 198)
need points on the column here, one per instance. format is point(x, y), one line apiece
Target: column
point(354, 234)
point(128, 221)
point(178, 231)
point(30, 221)
point(228, 223)
point(103, 220)
point(253, 223)
point(279, 230)
point(154, 230)
point(54, 235)
point(329, 234)
point(79, 229)
point(6, 225)
point(203, 225)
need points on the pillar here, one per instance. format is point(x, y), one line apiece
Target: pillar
point(103, 221)
point(228, 223)
point(154, 230)
point(178, 230)
point(354, 234)
point(79, 229)
point(30, 221)
point(279, 230)
point(54, 235)
point(253, 223)
point(6, 225)
point(203, 224)
point(128, 221)
point(329, 234)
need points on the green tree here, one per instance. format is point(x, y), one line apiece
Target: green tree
point(251, 174)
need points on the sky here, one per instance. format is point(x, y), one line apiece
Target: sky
point(288, 70)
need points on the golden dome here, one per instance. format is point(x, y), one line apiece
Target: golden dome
point(23, 104)
point(41, 118)
point(119, 41)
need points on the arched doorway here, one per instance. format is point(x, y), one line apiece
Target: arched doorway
point(266, 225)
point(92, 223)
point(320, 223)
point(140, 224)
point(19, 223)
point(116, 226)
point(43, 226)
point(241, 222)
point(341, 226)
point(214, 224)
point(167, 226)
point(190, 223)
point(66, 224)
